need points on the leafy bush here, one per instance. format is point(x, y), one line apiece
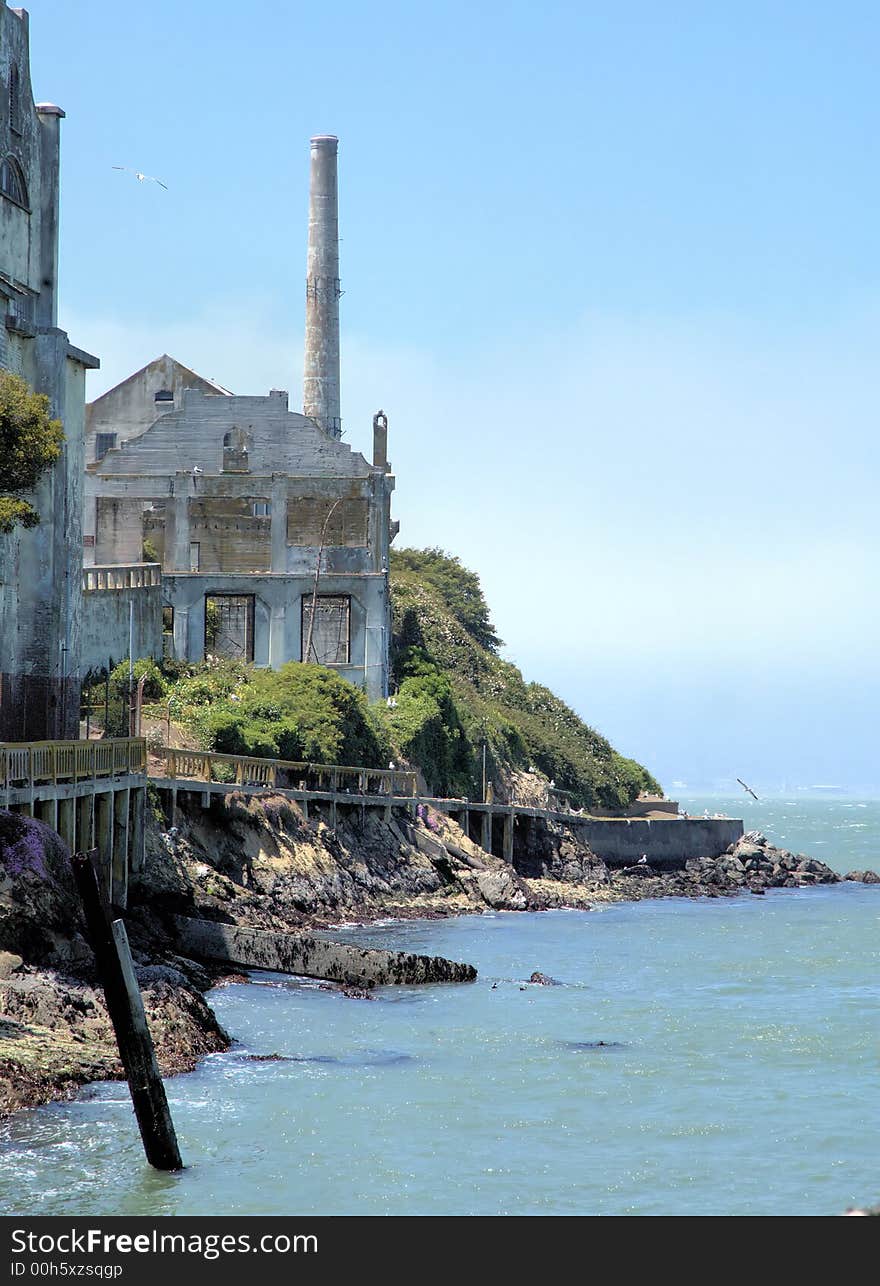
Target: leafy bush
point(154, 684)
point(300, 712)
point(30, 443)
point(459, 588)
point(426, 728)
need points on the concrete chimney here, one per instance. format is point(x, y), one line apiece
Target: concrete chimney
point(50, 118)
point(321, 376)
point(380, 441)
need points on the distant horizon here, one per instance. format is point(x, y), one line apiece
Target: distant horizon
point(870, 794)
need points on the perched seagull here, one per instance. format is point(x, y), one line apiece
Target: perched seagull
point(149, 178)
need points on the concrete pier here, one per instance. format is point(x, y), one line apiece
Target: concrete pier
point(300, 953)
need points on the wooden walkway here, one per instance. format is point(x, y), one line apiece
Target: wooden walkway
point(91, 793)
point(208, 773)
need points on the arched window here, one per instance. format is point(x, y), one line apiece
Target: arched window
point(12, 180)
point(15, 98)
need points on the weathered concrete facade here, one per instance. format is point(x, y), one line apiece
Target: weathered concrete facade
point(122, 612)
point(40, 569)
point(239, 498)
point(128, 410)
point(273, 536)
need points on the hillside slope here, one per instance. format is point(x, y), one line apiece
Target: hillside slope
point(454, 692)
point(453, 695)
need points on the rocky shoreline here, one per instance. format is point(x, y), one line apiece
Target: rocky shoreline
point(259, 864)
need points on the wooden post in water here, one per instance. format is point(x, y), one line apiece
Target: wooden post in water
point(109, 941)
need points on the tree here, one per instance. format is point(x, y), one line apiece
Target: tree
point(460, 589)
point(30, 443)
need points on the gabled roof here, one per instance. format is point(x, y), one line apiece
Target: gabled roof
point(202, 380)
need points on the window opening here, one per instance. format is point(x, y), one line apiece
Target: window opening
point(331, 631)
point(229, 626)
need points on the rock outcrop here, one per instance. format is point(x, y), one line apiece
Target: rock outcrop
point(257, 863)
point(55, 1033)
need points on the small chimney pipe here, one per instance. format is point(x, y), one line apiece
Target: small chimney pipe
point(380, 440)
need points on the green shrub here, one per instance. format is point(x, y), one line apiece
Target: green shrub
point(300, 712)
point(155, 686)
point(426, 727)
point(459, 588)
point(30, 443)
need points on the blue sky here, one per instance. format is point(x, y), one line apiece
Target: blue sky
point(611, 269)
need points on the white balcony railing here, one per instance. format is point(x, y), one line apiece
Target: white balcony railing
point(121, 576)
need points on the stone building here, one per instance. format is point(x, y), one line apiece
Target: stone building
point(41, 568)
point(238, 497)
point(254, 511)
point(127, 410)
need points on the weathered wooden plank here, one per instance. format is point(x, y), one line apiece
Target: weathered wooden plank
point(125, 1005)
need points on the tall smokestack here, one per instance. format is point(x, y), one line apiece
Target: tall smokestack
point(321, 377)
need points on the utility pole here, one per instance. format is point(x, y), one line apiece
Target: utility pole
point(131, 711)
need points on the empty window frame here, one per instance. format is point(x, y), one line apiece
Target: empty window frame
point(12, 181)
point(331, 633)
point(262, 509)
point(167, 630)
point(15, 98)
point(104, 442)
point(229, 626)
point(163, 395)
point(195, 555)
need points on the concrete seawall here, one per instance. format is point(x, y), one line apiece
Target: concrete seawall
point(667, 844)
point(300, 953)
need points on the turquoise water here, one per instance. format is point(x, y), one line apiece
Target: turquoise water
point(739, 1072)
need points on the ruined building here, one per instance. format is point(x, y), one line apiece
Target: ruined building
point(41, 568)
point(248, 506)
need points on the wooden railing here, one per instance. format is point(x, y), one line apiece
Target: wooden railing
point(29, 763)
point(204, 765)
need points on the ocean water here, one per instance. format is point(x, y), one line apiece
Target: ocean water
point(698, 1057)
point(844, 833)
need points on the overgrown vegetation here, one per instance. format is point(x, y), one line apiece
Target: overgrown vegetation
point(458, 588)
point(300, 712)
point(30, 442)
point(455, 693)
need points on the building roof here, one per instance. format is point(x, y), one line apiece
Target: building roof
point(164, 357)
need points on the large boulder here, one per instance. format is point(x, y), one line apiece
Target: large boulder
point(40, 915)
point(502, 890)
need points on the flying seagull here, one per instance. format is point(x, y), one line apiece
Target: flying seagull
point(150, 178)
point(748, 788)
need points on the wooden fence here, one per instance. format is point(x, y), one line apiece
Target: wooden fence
point(203, 765)
point(31, 763)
